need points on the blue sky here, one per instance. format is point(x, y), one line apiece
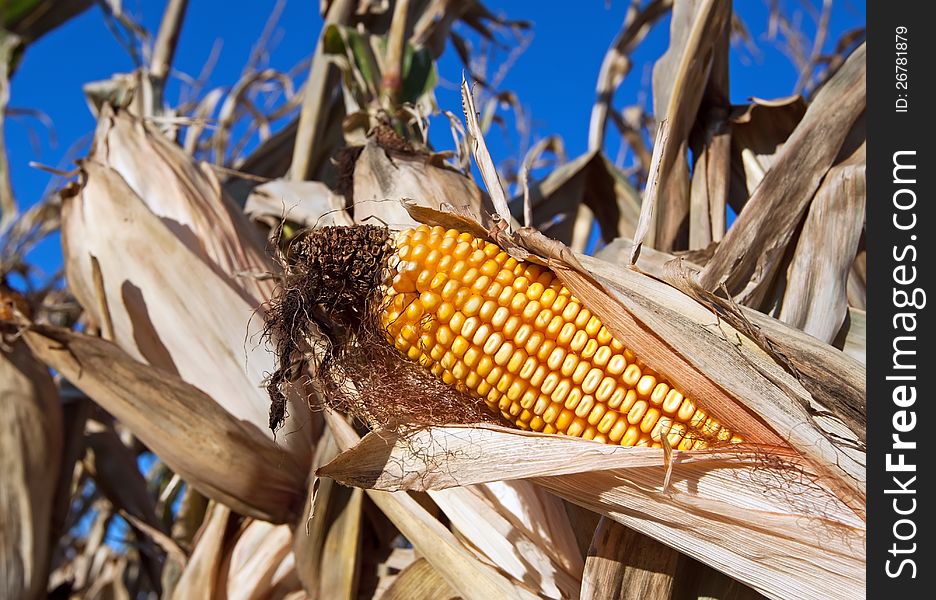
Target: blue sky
point(554, 78)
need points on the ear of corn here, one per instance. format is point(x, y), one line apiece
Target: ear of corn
point(508, 332)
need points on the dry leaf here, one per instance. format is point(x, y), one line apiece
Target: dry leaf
point(746, 260)
point(185, 427)
point(623, 564)
point(762, 520)
point(588, 180)
point(815, 298)
point(30, 452)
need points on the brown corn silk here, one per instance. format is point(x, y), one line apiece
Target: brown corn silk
point(508, 332)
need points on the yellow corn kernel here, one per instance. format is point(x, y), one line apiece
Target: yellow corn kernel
point(508, 332)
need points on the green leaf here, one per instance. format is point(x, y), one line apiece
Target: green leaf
point(419, 74)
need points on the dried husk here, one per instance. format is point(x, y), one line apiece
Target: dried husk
point(143, 204)
point(307, 203)
point(710, 180)
point(382, 176)
point(507, 523)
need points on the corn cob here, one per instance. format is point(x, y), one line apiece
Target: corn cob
point(508, 332)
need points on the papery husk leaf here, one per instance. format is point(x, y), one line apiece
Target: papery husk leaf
point(30, 453)
point(188, 430)
point(187, 197)
point(758, 517)
point(382, 177)
point(624, 564)
point(388, 461)
point(470, 577)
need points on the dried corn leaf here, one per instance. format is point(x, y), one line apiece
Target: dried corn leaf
point(678, 85)
point(850, 339)
point(419, 581)
point(189, 431)
point(747, 259)
point(259, 563)
point(758, 132)
point(187, 197)
point(617, 63)
point(321, 109)
point(815, 299)
point(200, 577)
point(193, 320)
point(709, 187)
point(481, 154)
point(588, 180)
point(30, 452)
point(623, 564)
point(383, 176)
